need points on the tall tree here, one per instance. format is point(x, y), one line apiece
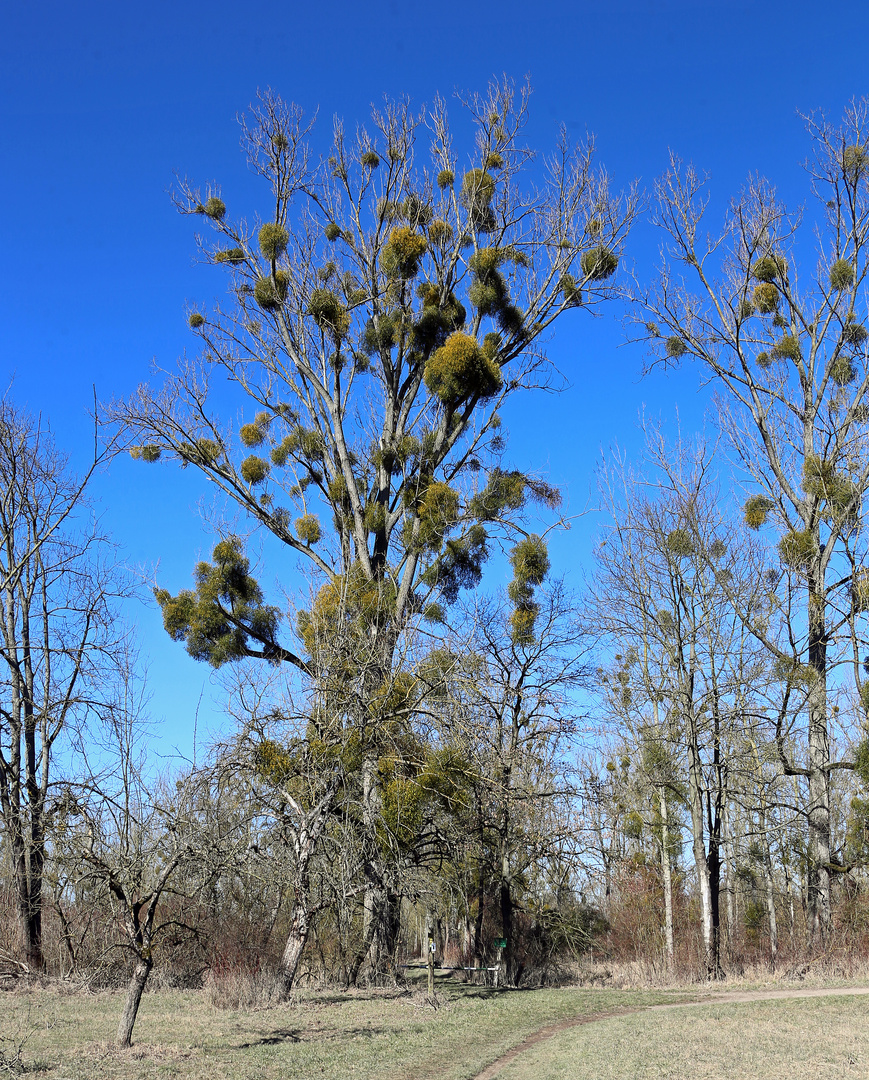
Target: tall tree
point(56, 629)
point(380, 316)
point(668, 575)
point(788, 350)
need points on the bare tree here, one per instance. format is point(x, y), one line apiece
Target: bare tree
point(57, 587)
point(788, 349)
point(521, 721)
point(140, 837)
point(670, 585)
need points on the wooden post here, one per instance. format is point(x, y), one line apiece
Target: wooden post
point(431, 960)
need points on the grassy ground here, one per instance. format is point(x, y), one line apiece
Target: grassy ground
point(803, 1039)
point(321, 1035)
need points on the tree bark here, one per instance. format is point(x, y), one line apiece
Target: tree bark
point(135, 989)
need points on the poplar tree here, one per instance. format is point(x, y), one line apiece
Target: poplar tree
point(786, 345)
point(384, 305)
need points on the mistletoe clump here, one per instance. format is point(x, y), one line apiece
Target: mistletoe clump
point(798, 548)
point(224, 617)
point(460, 370)
point(327, 311)
point(768, 268)
point(530, 562)
point(402, 253)
point(766, 298)
point(308, 529)
point(234, 256)
point(599, 263)
point(841, 275)
point(273, 240)
point(271, 292)
point(254, 469)
point(214, 208)
point(757, 510)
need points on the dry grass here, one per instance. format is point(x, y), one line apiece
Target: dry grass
point(391, 1036)
point(822, 971)
point(803, 1039)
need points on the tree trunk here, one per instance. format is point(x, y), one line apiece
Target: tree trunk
point(28, 894)
point(508, 960)
point(135, 989)
point(667, 881)
point(819, 905)
point(770, 905)
point(701, 864)
point(296, 939)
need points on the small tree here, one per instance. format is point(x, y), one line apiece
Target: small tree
point(390, 302)
point(138, 838)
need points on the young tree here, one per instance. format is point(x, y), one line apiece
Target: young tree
point(788, 348)
point(391, 301)
point(56, 630)
point(140, 838)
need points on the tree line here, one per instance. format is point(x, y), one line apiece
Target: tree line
point(409, 758)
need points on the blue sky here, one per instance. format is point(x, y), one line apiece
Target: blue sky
point(102, 102)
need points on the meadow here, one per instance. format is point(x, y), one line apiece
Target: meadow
point(60, 1034)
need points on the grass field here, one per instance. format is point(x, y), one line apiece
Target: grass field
point(333, 1036)
point(400, 1036)
point(803, 1039)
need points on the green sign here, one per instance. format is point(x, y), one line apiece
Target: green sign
point(500, 943)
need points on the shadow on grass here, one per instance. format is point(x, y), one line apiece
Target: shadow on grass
point(274, 1039)
point(287, 1035)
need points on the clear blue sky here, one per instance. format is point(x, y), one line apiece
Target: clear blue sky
point(103, 101)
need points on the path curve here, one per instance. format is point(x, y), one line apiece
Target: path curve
point(730, 996)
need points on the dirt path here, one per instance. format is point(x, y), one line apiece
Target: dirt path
point(727, 997)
